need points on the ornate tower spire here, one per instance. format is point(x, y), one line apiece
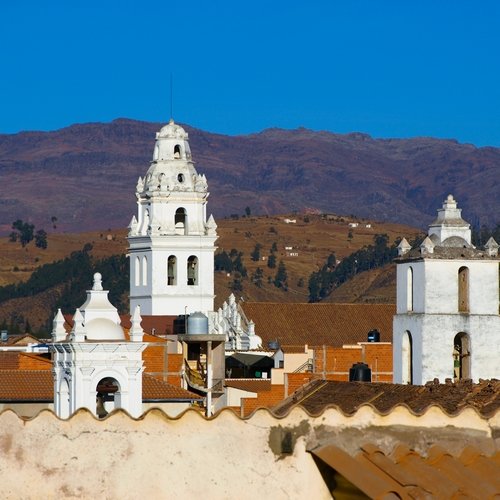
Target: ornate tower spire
point(171, 240)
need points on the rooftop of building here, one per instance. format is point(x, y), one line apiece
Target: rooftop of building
point(319, 324)
point(452, 398)
point(38, 386)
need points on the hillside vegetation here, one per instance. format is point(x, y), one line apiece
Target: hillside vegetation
point(37, 281)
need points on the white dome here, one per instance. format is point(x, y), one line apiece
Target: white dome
point(173, 131)
point(103, 329)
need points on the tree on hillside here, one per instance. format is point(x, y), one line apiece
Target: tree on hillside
point(258, 277)
point(41, 239)
point(271, 261)
point(25, 231)
point(255, 255)
point(280, 280)
point(248, 211)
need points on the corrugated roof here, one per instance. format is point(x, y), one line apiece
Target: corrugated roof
point(38, 385)
point(319, 324)
point(409, 474)
point(349, 396)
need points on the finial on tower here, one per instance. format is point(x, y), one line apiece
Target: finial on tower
point(97, 282)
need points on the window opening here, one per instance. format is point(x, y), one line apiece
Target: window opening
point(409, 291)
point(180, 221)
point(172, 270)
point(463, 289)
point(107, 396)
point(461, 356)
point(407, 355)
point(177, 151)
point(144, 271)
point(192, 270)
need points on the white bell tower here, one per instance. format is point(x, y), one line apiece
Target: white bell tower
point(95, 366)
point(447, 323)
point(171, 242)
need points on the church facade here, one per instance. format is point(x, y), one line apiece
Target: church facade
point(447, 324)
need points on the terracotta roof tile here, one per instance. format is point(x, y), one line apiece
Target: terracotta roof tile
point(349, 396)
point(38, 385)
point(412, 475)
point(251, 385)
point(319, 324)
point(154, 389)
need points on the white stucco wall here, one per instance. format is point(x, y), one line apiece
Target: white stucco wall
point(191, 457)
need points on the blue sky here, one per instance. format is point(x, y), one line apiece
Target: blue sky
point(387, 68)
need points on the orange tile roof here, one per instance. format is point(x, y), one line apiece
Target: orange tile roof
point(251, 385)
point(319, 324)
point(410, 474)
point(38, 385)
point(156, 389)
point(349, 396)
point(26, 385)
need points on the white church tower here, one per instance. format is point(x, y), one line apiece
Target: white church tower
point(447, 324)
point(172, 243)
point(95, 366)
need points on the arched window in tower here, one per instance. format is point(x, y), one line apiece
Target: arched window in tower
point(144, 271)
point(180, 221)
point(172, 270)
point(107, 396)
point(192, 270)
point(177, 151)
point(407, 358)
point(461, 356)
point(409, 290)
point(463, 289)
point(64, 406)
point(137, 271)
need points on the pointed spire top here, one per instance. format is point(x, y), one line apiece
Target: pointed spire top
point(58, 330)
point(491, 247)
point(403, 247)
point(427, 246)
point(136, 331)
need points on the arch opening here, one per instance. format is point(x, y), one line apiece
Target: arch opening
point(137, 271)
point(107, 396)
point(180, 221)
point(461, 356)
point(409, 290)
point(172, 270)
point(407, 358)
point(144, 271)
point(177, 151)
point(463, 289)
point(192, 270)
point(64, 405)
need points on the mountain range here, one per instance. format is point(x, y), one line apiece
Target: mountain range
point(85, 175)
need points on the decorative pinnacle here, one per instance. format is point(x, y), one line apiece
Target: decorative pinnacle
point(97, 282)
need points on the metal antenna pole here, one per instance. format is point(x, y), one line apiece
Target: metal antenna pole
point(171, 96)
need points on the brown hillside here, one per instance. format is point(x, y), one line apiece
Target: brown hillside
point(85, 174)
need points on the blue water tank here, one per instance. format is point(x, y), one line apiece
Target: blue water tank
point(374, 336)
point(197, 324)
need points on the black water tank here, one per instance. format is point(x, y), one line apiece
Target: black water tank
point(373, 336)
point(180, 325)
point(360, 372)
